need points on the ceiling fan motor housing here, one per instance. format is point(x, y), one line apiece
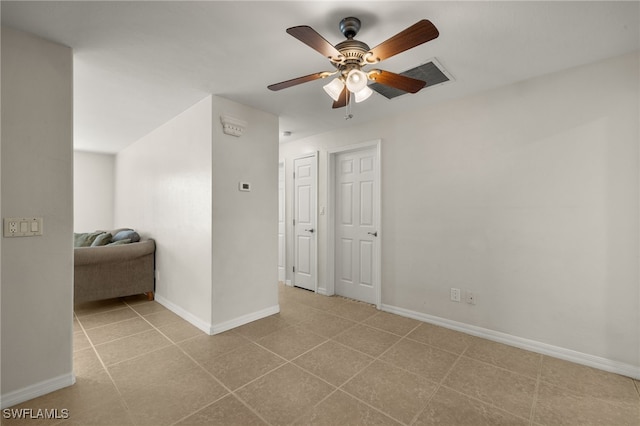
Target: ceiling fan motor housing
point(350, 27)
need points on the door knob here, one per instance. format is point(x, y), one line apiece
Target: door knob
point(375, 234)
point(310, 230)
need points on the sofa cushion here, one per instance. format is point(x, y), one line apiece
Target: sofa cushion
point(102, 240)
point(119, 242)
point(128, 234)
point(84, 239)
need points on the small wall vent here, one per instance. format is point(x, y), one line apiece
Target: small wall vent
point(430, 72)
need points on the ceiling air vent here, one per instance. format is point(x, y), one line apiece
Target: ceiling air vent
point(431, 72)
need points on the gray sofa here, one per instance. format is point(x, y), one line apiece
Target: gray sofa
point(114, 270)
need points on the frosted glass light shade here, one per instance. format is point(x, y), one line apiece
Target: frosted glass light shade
point(334, 88)
point(356, 80)
point(363, 94)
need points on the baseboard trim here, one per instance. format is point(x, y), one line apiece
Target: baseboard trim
point(519, 342)
point(244, 319)
point(184, 314)
point(38, 389)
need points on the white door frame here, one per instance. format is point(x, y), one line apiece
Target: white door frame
point(331, 231)
point(282, 209)
point(314, 269)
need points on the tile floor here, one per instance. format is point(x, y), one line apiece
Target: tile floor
point(325, 361)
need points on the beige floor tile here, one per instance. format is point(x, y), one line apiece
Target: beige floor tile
point(325, 324)
point(109, 332)
point(86, 362)
point(342, 409)
point(588, 381)
point(110, 414)
point(509, 357)
point(392, 323)
point(226, 412)
point(355, 311)
point(204, 348)
point(146, 308)
point(99, 306)
point(284, 394)
point(130, 347)
point(317, 301)
point(180, 330)
point(294, 313)
point(366, 339)
point(242, 365)
point(333, 362)
point(440, 337)
point(164, 386)
point(162, 318)
point(398, 393)
point(260, 328)
point(496, 386)
point(105, 318)
point(80, 341)
point(291, 342)
point(89, 392)
point(76, 325)
point(559, 406)
point(448, 407)
point(418, 358)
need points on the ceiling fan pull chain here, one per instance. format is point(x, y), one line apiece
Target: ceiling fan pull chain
point(348, 115)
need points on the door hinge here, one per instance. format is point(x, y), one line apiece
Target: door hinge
point(294, 269)
point(294, 222)
point(294, 175)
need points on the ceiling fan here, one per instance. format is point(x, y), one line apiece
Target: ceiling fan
point(351, 56)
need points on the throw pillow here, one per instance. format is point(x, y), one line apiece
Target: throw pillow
point(128, 234)
point(102, 240)
point(84, 239)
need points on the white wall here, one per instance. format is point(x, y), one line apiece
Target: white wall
point(163, 190)
point(526, 195)
point(37, 180)
point(216, 246)
point(93, 191)
point(245, 224)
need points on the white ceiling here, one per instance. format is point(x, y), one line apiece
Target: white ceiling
point(139, 64)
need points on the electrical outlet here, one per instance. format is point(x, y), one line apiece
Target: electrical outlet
point(471, 297)
point(455, 294)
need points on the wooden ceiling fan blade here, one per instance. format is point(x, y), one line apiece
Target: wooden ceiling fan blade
point(311, 38)
point(299, 80)
point(420, 32)
point(398, 81)
point(342, 100)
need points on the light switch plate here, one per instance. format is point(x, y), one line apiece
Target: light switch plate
point(22, 226)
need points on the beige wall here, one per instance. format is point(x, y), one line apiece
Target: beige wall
point(37, 180)
point(526, 195)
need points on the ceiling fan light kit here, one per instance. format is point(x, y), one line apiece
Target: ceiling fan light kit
point(350, 56)
point(334, 88)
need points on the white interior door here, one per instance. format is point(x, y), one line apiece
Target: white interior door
point(304, 225)
point(356, 210)
point(281, 224)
